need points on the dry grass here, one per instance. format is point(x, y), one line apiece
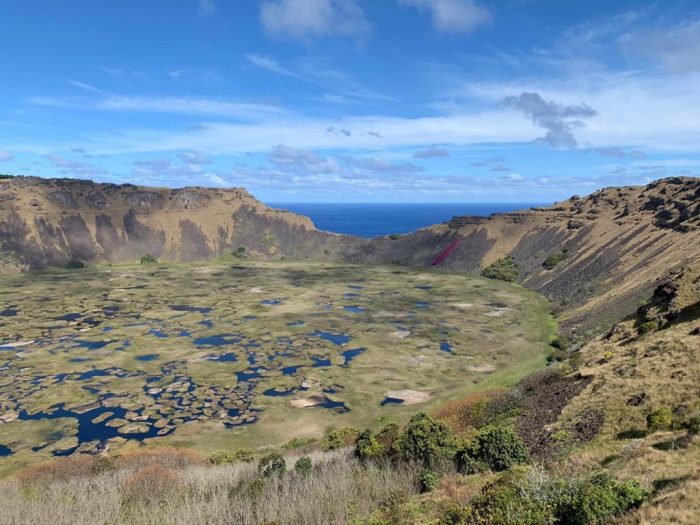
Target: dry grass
point(140, 489)
point(473, 411)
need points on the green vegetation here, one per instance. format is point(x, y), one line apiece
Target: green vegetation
point(272, 465)
point(148, 259)
point(503, 269)
point(74, 264)
point(303, 466)
point(427, 441)
point(240, 253)
point(242, 455)
point(649, 326)
point(660, 419)
point(427, 480)
point(336, 438)
point(499, 448)
point(394, 236)
point(522, 498)
point(553, 260)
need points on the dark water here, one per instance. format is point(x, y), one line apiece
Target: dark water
point(372, 220)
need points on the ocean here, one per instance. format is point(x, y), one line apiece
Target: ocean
point(372, 220)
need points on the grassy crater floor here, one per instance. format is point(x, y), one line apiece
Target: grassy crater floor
point(222, 355)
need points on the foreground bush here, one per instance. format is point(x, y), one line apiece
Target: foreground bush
point(272, 465)
point(531, 498)
point(74, 264)
point(242, 455)
point(427, 441)
point(148, 259)
point(499, 447)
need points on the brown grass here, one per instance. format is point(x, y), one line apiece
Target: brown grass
point(474, 411)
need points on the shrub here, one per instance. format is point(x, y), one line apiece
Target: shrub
point(561, 342)
point(367, 447)
point(148, 259)
point(394, 236)
point(272, 465)
point(74, 264)
point(242, 455)
point(427, 481)
point(552, 260)
point(427, 440)
point(693, 425)
point(468, 464)
point(596, 499)
point(649, 326)
point(388, 438)
point(476, 410)
point(505, 504)
point(240, 252)
point(336, 438)
point(303, 466)
point(660, 419)
point(503, 269)
point(499, 447)
point(152, 482)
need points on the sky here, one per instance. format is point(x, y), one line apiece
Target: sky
point(353, 100)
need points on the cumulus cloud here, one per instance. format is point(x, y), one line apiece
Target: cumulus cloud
point(453, 16)
point(6, 155)
point(557, 119)
point(307, 19)
point(431, 152)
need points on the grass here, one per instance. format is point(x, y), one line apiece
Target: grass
point(497, 333)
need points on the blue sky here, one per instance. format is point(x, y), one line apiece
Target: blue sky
point(353, 100)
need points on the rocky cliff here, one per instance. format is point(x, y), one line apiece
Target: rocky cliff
point(594, 257)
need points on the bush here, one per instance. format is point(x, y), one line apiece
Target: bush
point(74, 264)
point(272, 465)
point(467, 463)
point(336, 438)
point(427, 440)
point(394, 236)
point(240, 253)
point(388, 438)
point(649, 326)
point(596, 499)
point(303, 466)
point(148, 259)
point(660, 419)
point(367, 447)
point(242, 455)
point(150, 483)
point(520, 498)
point(498, 447)
point(552, 260)
point(503, 269)
point(427, 481)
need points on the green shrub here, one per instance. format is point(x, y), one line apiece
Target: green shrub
point(503, 269)
point(242, 455)
point(561, 342)
point(427, 481)
point(557, 356)
point(552, 260)
point(394, 236)
point(388, 438)
point(596, 499)
point(660, 419)
point(427, 440)
point(649, 326)
point(148, 259)
point(74, 264)
point(240, 253)
point(367, 447)
point(303, 466)
point(693, 425)
point(468, 464)
point(499, 447)
point(506, 504)
point(272, 465)
point(336, 438)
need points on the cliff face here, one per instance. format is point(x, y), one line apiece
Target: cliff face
point(606, 251)
point(46, 222)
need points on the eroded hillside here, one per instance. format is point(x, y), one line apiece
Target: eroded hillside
point(47, 222)
point(594, 257)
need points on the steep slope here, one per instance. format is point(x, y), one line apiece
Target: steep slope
point(46, 222)
point(594, 257)
point(607, 251)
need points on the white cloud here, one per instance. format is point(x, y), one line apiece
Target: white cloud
point(676, 48)
point(307, 19)
point(453, 16)
point(269, 64)
point(6, 155)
